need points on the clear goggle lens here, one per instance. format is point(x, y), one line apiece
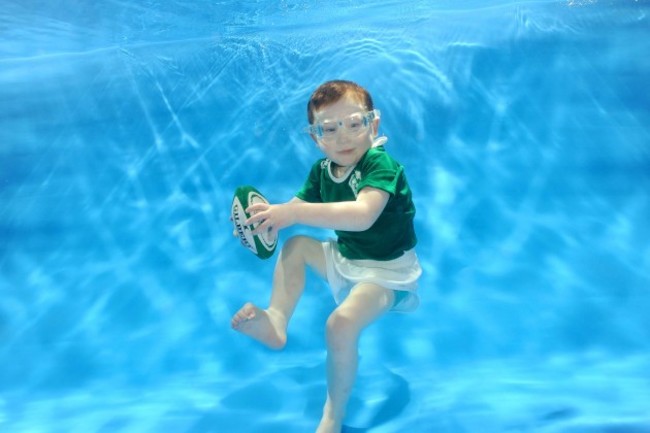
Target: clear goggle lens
point(354, 124)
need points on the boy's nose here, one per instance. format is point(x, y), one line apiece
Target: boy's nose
point(341, 139)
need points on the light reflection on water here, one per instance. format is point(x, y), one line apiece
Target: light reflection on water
point(524, 133)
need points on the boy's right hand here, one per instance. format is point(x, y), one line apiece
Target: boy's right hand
point(271, 217)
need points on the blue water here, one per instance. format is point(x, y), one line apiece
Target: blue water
point(126, 126)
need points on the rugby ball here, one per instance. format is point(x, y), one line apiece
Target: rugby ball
point(262, 245)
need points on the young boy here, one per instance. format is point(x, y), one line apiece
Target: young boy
point(359, 191)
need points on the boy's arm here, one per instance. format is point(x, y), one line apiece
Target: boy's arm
point(358, 215)
point(296, 200)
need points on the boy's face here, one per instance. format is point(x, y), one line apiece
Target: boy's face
point(346, 145)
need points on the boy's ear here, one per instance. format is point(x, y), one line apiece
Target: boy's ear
point(375, 126)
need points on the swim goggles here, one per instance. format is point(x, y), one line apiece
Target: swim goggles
point(352, 125)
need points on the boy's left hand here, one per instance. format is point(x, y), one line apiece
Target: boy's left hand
point(271, 217)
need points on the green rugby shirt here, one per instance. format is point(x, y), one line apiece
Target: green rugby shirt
point(393, 232)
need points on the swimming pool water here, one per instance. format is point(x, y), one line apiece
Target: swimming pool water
point(126, 126)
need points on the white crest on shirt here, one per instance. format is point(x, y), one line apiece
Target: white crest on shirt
point(354, 182)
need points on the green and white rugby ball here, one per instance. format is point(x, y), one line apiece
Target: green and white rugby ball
point(262, 245)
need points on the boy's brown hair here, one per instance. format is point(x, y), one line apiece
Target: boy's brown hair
point(331, 91)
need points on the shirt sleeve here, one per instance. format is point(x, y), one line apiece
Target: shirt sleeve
point(310, 191)
point(380, 171)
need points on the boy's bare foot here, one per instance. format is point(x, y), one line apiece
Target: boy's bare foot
point(262, 325)
point(328, 425)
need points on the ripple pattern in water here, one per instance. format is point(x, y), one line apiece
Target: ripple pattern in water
point(124, 129)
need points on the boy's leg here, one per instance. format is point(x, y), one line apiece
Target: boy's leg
point(270, 326)
point(365, 303)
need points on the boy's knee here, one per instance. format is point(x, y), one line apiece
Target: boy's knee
point(341, 329)
point(294, 243)
point(305, 249)
point(295, 248)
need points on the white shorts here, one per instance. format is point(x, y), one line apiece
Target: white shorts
point(400, 274)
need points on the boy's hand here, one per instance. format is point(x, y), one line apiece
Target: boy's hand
point(271, 217)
